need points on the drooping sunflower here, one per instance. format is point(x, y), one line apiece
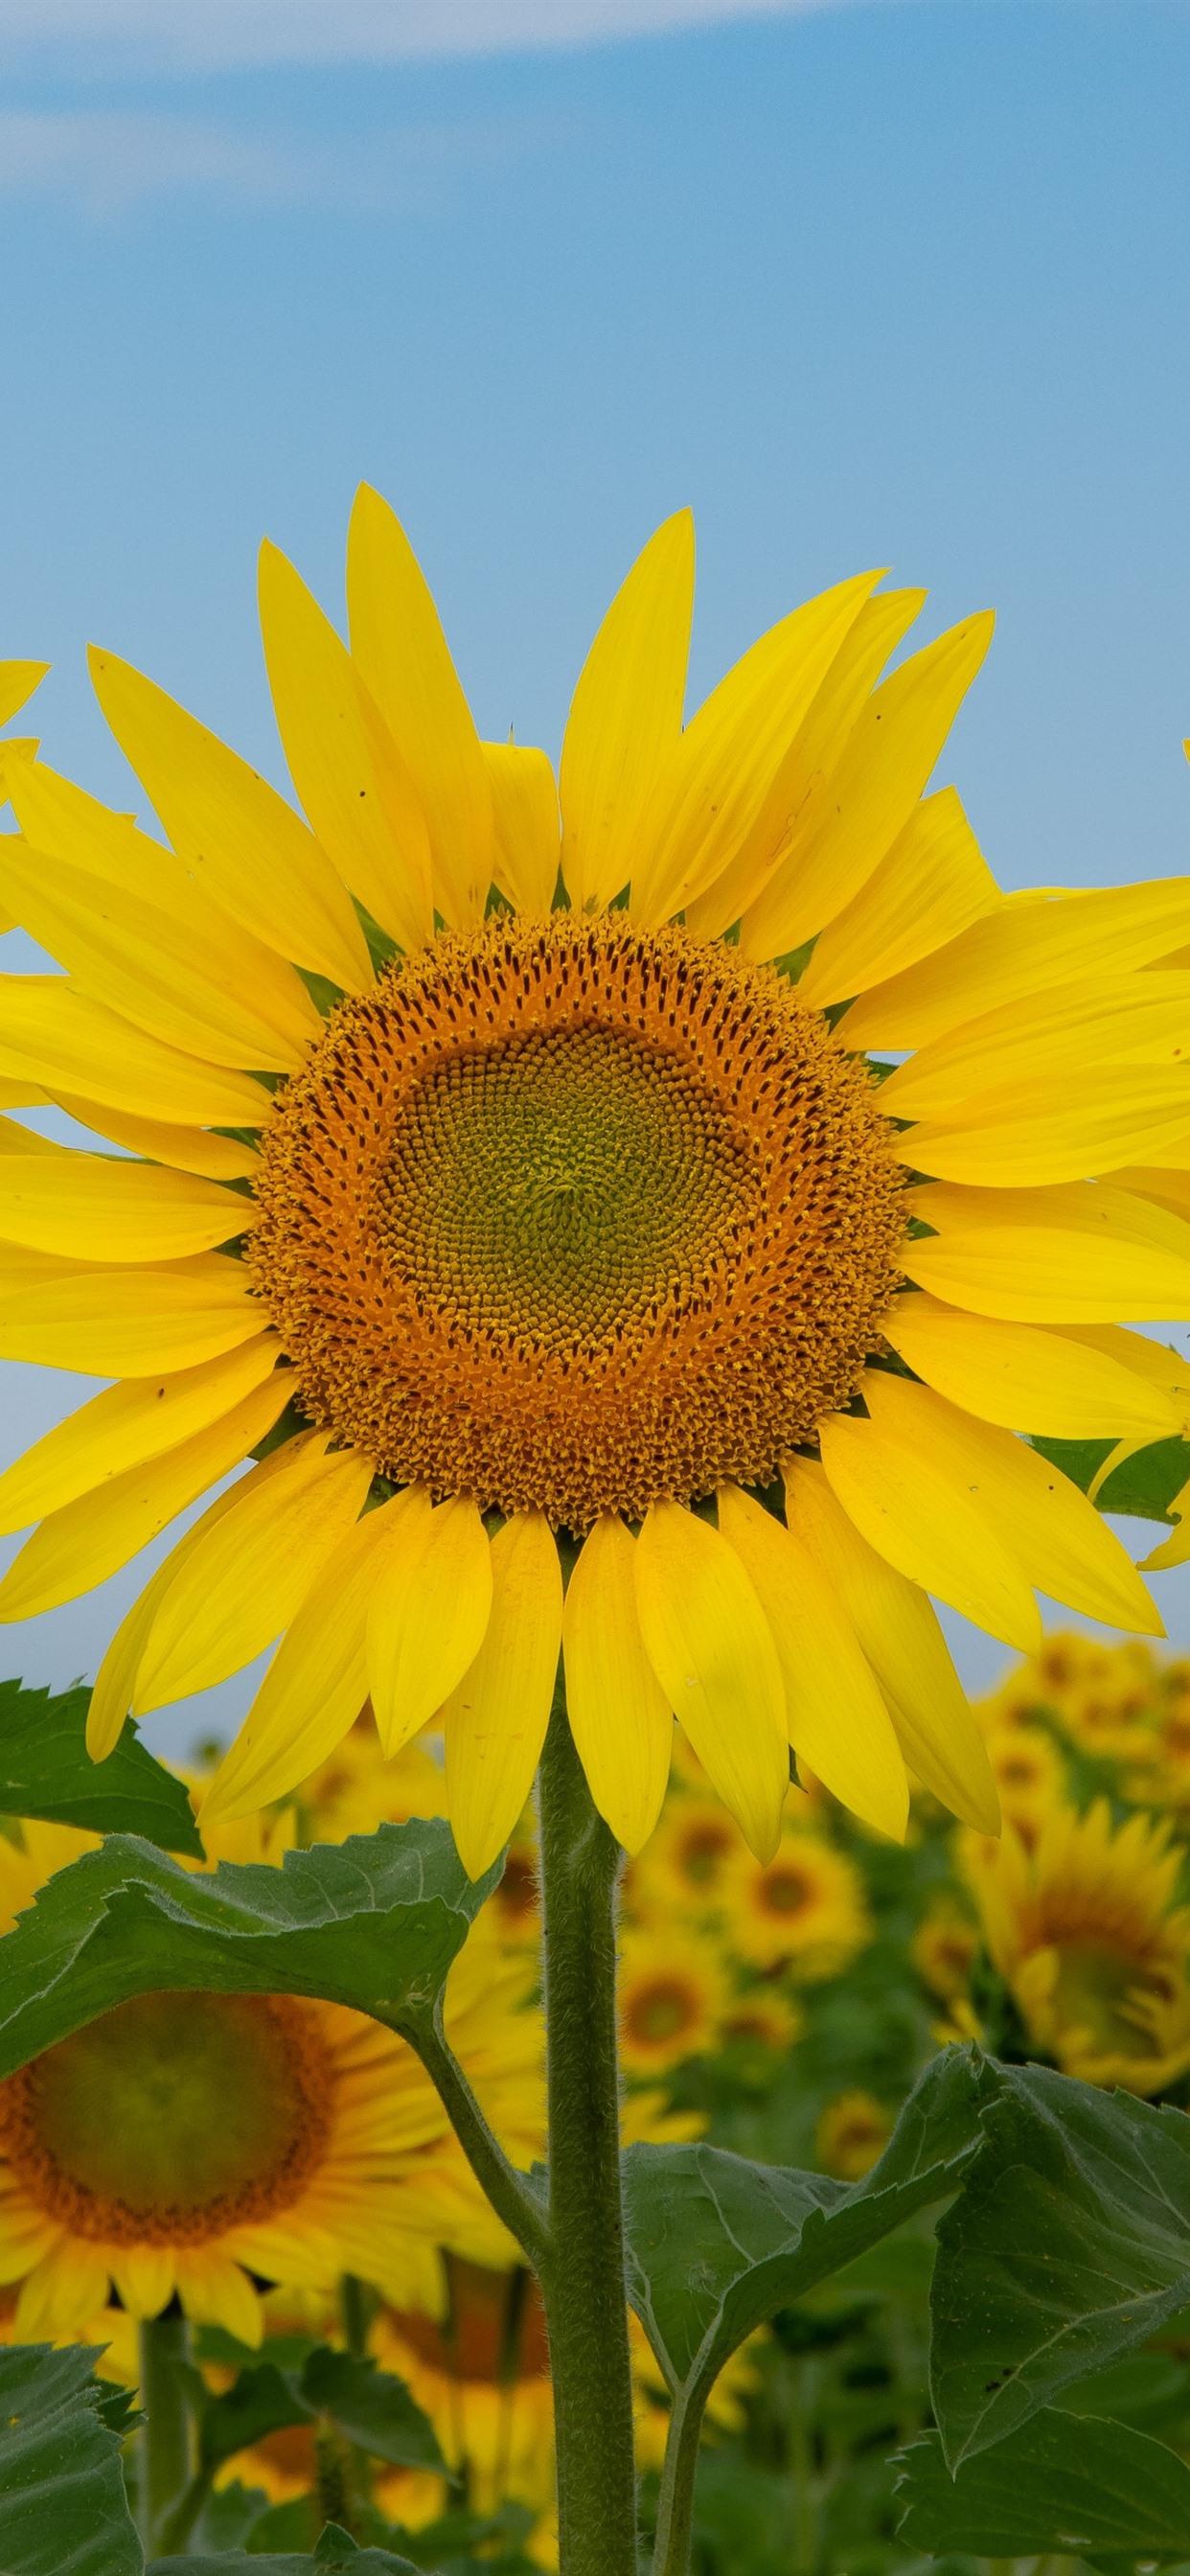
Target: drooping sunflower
point(197, 2144)
point(1086, 1929)
point(510, 1163)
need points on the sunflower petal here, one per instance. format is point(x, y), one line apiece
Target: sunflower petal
point(932, 884)
point(18, 680)
point(245, 844)
point(241, 1586)
point(898, 1629)
point(1128, 1020)
point(890, 754)
point(915, 1511)
point(181, 1149)
point(402, 653)
point(495, 1721)
point(711, 1648)
point(54, 1034)
point(122, 1211)
point(1024, 947)
point(429, 1615)
point(315, 1686)
point(123, 1323)
point(625, 718)
point(837, 1720)
point(87, 1540)
point(351, 781)
point(124, 1427)
point(1025, 1377)
point(528, 827)
point(619, 1716)
point(111, 1698)
point(1084, 1252)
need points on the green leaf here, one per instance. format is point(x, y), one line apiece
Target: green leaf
point(62, 2500)
point(335, 2555)
point(371, 2409)
point(1143, 1486)
point(1068, 2247)
point(374, 1923)
point(717, 2244)
point(1066, 2482)
point(46, 1771)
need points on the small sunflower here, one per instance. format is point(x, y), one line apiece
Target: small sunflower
point(852, 2132)
point(191, 2145)
point(804, 1909)
point(672, 1997)
point(945, 1948)
point(507, 1169)
point(1086, 1930)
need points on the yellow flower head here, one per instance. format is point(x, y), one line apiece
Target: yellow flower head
point(1085, 1929)
point(852, 2132)
point(192, 2144)
point(1029, 1773)
point(945, 1947)
point(686, 1868)
point(518, 1159)
point(803, 1910)
point(673, 1992)
point(763, 2019)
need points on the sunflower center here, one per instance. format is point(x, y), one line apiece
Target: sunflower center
point(572, 1216)
point(659, 2011)
point(172, 2118)
point(785, 1890)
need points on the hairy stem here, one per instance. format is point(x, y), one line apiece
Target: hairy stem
point(511, 2195)
point(583, 2272)
point(164, 2446)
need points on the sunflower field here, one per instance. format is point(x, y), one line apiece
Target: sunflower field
point(618, 2064)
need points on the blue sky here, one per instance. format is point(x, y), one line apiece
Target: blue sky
point(879, 283)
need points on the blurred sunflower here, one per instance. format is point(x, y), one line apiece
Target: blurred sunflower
point(194, 2144)
point(852, 2132)
point(672, 1996)
point(1087, 1933)
point(805, 1909)
point(511, 1158)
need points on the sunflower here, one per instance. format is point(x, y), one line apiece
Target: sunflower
point(1086, 1931)
point(507, 1171)
point(945, 1948)
point(672, 1996)
point(804, 1909)
point(1030, 1776)
point(192, 2145)
point(852, 2132)
point(686, 1868)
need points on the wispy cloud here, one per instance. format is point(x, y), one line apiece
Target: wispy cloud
point(105, 162)
point(122, 36)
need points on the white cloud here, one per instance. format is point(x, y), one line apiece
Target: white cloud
point(107, 161)
point(117, 36)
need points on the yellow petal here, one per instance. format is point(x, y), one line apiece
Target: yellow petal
point(114, 1210)
point(1087, 1252)
point(248, 985)
point(1163, 1369)
point(1024, 1377)
point(619, 1716)
point(625, 717)
point(345, 767)
point(1050, 1529)
point(63, 2295)
point(125, 1426)
point(18, 680)
point(790, 809)
point(244, 843)
point(430, 1610)
point(248, 1577)
point(1164, 1182)
point(1020, 949)
point(21, 1095)
point(315, 1686)
point(528, 825)
point(898, 1630)
point(932, 884)
point(1175, 1549)
point(56, 1035)
point(837, 1720)
point(1038, 1135)
point(215, 2292)
point(87, 1540)
point(16, 1139)
point(495, 1721)
point(404, 658)
point(144, 2277)
point(1126, 1022)
point(183, 1149)
point(711, 1648)
point(111, 1698)
point(158, 968)
point(727, 763)
point(915, 1511)
point(126, 1323)
point(890, 754)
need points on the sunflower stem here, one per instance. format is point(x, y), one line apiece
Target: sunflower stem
point(583, 2275)
point(164, 2445)
point(510, 2193)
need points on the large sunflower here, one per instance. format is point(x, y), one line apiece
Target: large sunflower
point(510, 1165)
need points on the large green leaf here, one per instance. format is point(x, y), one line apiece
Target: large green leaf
point(1065, 2482)
point(374, 1922)
point(366, 2406)
point(335, 2555)
point(46, 1771)
point(1143, 1486)
point(63, 2510)
point(1068, 2247)
point(717, 2244)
